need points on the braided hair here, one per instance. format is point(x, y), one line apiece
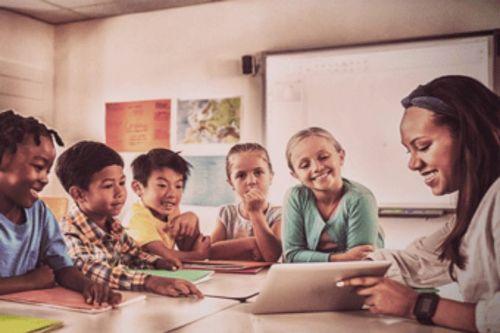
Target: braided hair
point(14, 128)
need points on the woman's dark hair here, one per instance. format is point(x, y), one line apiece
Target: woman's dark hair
point(474, 120)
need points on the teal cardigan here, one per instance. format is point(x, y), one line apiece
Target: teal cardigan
point(353, 223)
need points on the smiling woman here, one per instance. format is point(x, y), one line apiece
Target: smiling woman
point(451, 128)
point(432, 150)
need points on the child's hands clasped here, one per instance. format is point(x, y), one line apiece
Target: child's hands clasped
point(184, 225)
point(359, 252)
point(41, 277)
point(254, 201)
point(96, 293)
point(202, 246)
point(171, 287)
point(169, 262)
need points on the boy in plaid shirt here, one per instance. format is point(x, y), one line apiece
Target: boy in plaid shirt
point(92, 173)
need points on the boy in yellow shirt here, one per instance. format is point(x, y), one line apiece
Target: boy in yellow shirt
point(155, 222)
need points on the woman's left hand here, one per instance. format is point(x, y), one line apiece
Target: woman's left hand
point(384, 296)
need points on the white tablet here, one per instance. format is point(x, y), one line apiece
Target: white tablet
point(308, 287)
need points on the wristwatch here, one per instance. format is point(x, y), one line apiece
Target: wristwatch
point(425, 307)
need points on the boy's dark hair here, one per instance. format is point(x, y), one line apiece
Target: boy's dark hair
point(156, 159)
point(14, 128)
point(79, 162)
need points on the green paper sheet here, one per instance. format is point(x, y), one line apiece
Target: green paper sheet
point(22, 324)
point(185, 274)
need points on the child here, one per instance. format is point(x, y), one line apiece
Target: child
point(451, 129)
point(251, 229)
point(92, 173)
point(327, 217)
point(155, 222)
point(33, 253)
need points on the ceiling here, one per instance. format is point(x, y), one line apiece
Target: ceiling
point(66, 11)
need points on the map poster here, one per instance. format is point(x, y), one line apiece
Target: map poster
point(207, 184)
point(203, 121)
point(138, 126)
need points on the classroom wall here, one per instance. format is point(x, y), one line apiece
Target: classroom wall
point(195, 52)
point(26, 65)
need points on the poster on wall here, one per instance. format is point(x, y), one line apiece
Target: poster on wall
point(208, 121)
point(207, 184)
point(138, 126)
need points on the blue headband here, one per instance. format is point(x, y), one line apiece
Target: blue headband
point(427, 102)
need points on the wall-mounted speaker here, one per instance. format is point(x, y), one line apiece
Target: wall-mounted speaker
point(247, 64)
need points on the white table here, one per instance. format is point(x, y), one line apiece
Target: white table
point(233, 286)
point(155, 314)
point(161, 314)
point(239, 319)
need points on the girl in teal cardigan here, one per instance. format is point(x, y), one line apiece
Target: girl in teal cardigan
point(327, 217)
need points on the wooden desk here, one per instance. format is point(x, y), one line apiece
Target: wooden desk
point(239, 319)
point(155, 314)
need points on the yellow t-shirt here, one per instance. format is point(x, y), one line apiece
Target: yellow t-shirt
point(145, 228)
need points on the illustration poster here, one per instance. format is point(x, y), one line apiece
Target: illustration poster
point(204, 121)
point(207, 184)
point(138, 126)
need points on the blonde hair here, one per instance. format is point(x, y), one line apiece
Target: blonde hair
point(305, 133)
point(243, 148)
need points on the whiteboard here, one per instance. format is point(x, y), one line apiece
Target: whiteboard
point(355, 94)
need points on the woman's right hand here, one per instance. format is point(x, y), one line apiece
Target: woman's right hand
point(383, 295)
point(359, 252)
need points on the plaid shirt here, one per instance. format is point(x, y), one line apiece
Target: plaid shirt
point(105, 256)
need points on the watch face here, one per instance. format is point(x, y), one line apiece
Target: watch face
point(426, 305)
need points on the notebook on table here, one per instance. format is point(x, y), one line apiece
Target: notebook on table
point(308, 287)
point(194, 276)
point(62, 298)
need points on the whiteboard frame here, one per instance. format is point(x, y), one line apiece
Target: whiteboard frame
point(494, 71)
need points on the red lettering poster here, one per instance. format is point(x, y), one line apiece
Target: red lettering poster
point(138, 126)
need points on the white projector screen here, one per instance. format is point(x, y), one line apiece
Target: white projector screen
point(355, 94)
